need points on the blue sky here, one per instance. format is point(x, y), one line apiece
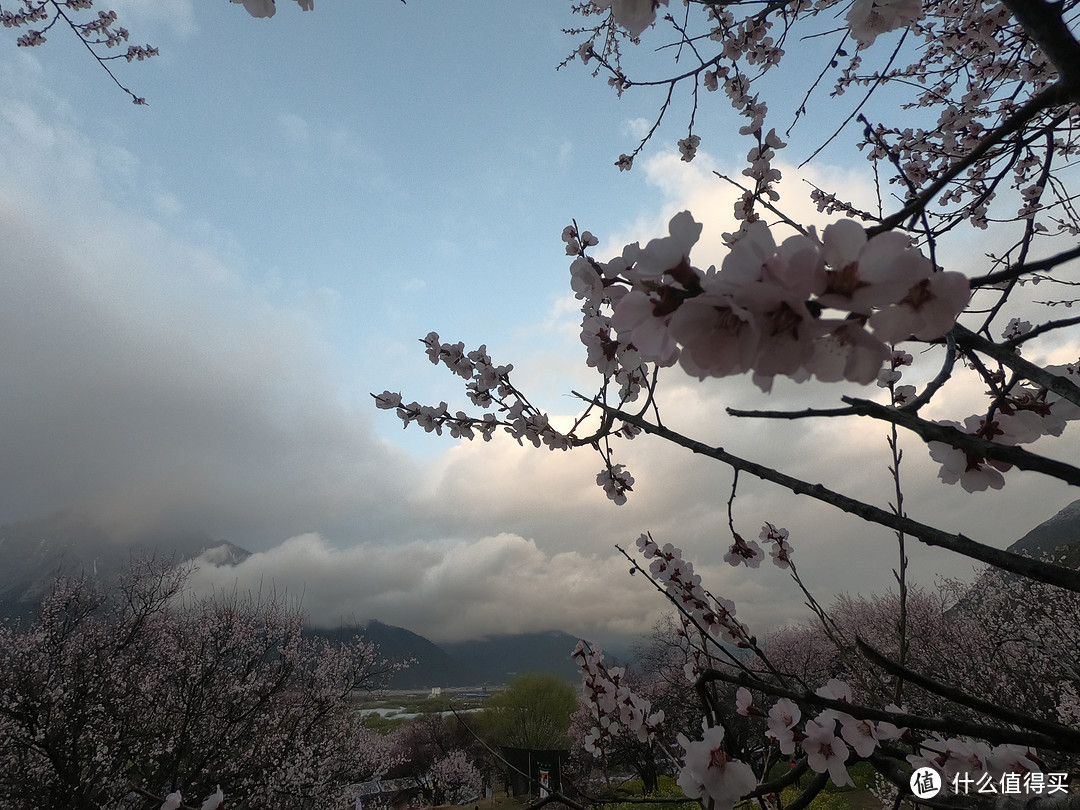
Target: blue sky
point(200, 295)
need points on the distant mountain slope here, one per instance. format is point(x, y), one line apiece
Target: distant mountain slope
point(1058, 537)
point(491, 661)
point(500, 659)
point(33, 553)
point(431, 666)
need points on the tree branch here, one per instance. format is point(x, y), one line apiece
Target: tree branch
point(1044, 24)
point(975, 445)
point(961, 698)
point(1007, 357)
point(1023, 269)
point(1050, 97)
point(1056, 575)
point(1069, 741)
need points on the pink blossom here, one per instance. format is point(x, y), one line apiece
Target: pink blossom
point(746, 261)
point(1016, 328)
point(744, 552)
point(834, 690)
point(781, 550)
point(861, 735)
point(688, 147)
point(890, 731)
point(636, 324)
point(258, 8)
point(887, 376)
point(786, 329)
point(928, 311)
point(902, 395)
point(616, 482)
point(388, 400)
point(1016, 759)
point(973, 472)
point(710, 773)
point(868, 273)
point(718, 337)
point(744, 701)
point(825, 752)
point(633, 15)
point(869, 18)
point(667, 252)
point(783, 717)
point(215, 801)
point(266, 8)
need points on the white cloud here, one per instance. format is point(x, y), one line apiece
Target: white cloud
point(565, 154)
point(447, 589)
point(637, 127)
point(695, 187)
point(146, 379)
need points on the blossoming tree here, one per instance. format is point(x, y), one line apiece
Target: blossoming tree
point(993, 95)
point(147, 696)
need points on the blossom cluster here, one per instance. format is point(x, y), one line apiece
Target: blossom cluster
point(825, 751)
point(765, 310)
point(488, 386)
point(952, 756)
point(633, 15)
point(454, 778)
point(150, 688)
point(867, 19)
point(977, 66)
point(1024, 414)
point(749, 552)
point(616, 708)
point(712, 614)
point(829, 739)
point(974, 67)
point(99, 30)
point(175, 800)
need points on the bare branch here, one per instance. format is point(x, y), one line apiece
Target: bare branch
point(1056, 575)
